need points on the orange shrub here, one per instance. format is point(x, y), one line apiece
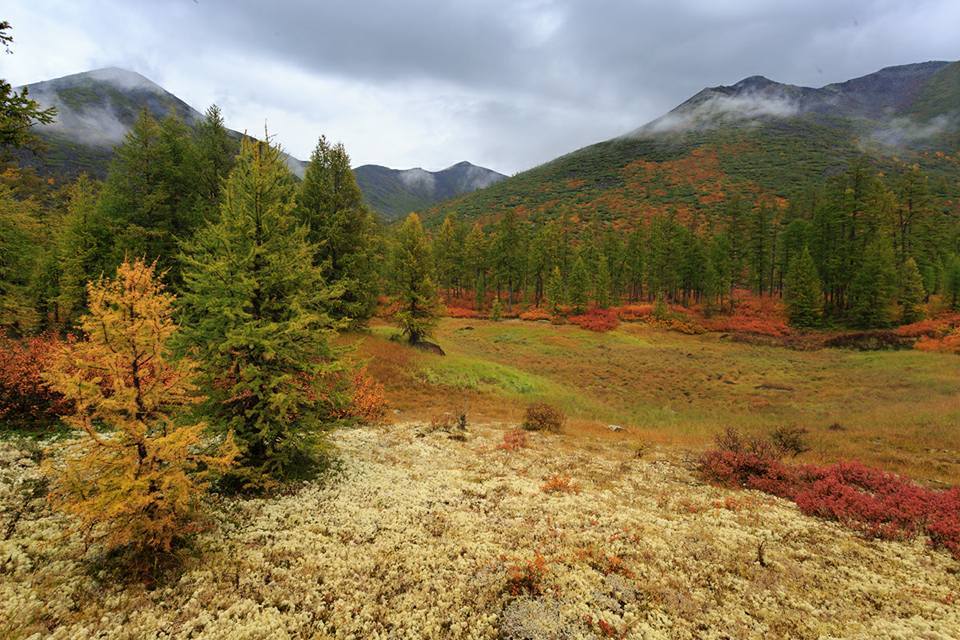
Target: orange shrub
point(946, 344)
point(532, 315)
point(25, 398)
point(527, 577)
point(369, 401)
point(931, 327)
point(560, 483)
point(513, 440)
point(462, 312)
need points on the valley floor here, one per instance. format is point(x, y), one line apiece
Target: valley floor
point(897, 410)
point(420, 535)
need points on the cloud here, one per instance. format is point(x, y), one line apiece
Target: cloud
point(900, 132)
point(503, 83)
point(719, 110)
point(98, 126)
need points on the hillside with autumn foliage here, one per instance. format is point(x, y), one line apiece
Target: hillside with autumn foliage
point(757, 138)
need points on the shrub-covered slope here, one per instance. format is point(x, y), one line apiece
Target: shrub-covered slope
point(757, 138)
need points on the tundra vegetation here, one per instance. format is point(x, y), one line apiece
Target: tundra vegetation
point(664, 429)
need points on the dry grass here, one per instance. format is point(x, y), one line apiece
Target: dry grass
point(422, 536)
point(899, 410)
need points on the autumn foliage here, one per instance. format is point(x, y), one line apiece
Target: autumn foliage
point(134, 479)
point(26, 401)
point(599, 320)
point(871, 501)
point(368, 402)
point(541, 416)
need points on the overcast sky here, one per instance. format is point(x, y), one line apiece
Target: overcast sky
point(506, 84)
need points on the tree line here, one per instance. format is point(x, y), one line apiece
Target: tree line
point(862, 249)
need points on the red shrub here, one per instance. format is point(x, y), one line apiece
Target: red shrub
point(513, 440)
point(25, 399)
point(599, 320)
point(634, 312)
point(868, 500)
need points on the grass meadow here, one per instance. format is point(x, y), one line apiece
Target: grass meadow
point(899, 410)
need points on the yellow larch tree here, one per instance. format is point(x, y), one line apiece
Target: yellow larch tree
point(135, 478)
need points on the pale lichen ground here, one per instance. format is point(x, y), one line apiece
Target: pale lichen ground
point(415, 537)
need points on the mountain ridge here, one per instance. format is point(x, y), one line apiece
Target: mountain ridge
point(758, 137)
point(96, 108)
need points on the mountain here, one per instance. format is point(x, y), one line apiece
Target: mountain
point(96, 109)
point(757, 137)
point(395, 192)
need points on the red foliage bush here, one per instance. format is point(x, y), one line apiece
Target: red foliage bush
point(762, 315)
point(25, 399)
point(513, 440)
point(874, 502)
point(634, 312)
point(599, 320)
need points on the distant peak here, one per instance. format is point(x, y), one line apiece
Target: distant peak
point(755, 82)
point(117, 76)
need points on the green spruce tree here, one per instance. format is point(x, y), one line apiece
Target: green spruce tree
point(873, 291)
point(802, 291)
point(253, 317)
point(555, 291)
point(912, 293)
point(342, 230)
point(414, 286)
point(578, 292)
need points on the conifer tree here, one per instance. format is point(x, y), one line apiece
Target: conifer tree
point(874, 287)
point(912, 293)
point(496, 310)
point(579, 285)
point(19, 247)
point(802, 291)
point(254, 318)
point(149, 197)
point(414, 285)
point(601, 283)
point(634, 264)
point(952, 284)
point(215, 154)
point(475, 258)
point(342, 230)
point(507, 256)
point(79, 250)
point(555, 291)
point(448, 254)
point(134, 481)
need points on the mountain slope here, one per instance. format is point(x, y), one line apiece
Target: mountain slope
point(395, 192)
point(96, 109)
point(759, 138)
